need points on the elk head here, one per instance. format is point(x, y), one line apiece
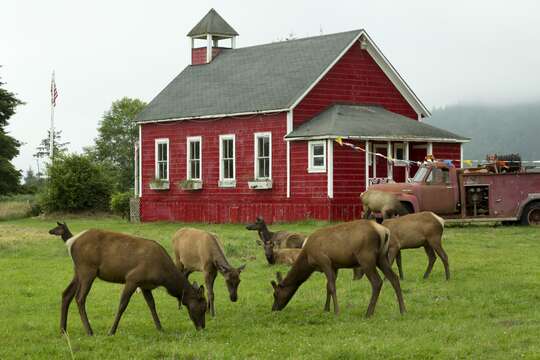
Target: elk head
point(282, 293)
point(61, 230)
point(232, 279)
point(196, 304)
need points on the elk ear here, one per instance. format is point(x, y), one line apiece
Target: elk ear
point(274, 285)
point(201, 291)
point(259, 218)
point(279, 277)
point(58, 223)
point(221, 268)
point(241, 268)
point(195, 285)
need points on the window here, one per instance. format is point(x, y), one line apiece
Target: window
point(162, 159)
point(317, 156)
point(227, 171)
point(438, 176)
point(194, 158)
point(263, 155)
point(399, 154)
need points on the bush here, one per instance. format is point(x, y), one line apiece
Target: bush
point(76, 183)
point(120, 204)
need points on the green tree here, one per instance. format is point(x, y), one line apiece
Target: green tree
point(117, 135)
point(9, 146)
point(44, 148)
point(32, 182)
point(76, 183)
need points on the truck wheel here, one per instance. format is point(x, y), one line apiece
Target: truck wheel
point(531, 214)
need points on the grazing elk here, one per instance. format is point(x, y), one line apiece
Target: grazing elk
point(199, 250)
point(385, 203)
point(348, 245)
point(278, 240)
point(124, 259)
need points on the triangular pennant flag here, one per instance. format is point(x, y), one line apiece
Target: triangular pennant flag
point(339, 140)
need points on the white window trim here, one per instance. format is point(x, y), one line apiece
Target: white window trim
point(189, 140)
point(227, 182)
point(256, 136)
point(156, 143)
point(316, 169)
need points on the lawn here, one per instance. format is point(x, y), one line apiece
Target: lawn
point(489, 309)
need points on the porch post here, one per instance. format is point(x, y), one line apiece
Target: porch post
point(366, 185)
point(136, 169)
point(461, 155)
point(406, 157)
point(389, 164)
point(140, 162)
point(429, 148)
point(330, 168)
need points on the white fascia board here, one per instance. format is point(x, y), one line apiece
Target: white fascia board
point(217, 116)
point(377, 138)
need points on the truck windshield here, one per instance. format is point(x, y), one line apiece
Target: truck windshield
point(420, 174)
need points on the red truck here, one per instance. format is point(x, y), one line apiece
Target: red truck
point(479, 194)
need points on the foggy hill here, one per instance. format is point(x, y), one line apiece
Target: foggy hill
point(501, 129)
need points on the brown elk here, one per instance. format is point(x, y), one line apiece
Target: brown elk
point(278, 240)
point(199, 250)
point(125, 259)
point(275, 255)
point(412, 231)
point(348, 245)
point(379, 201)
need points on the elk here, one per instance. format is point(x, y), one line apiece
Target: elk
point(199, 250)
point(124, 259)
point(348, 245)
point(379, 201)
point(412, 231)
point(280, 256)
point(416, 230)
point(278, 240)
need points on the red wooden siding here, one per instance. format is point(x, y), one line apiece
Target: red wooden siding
point(349, 171)
point(356, 78)
point(305, 185)
point(447, 151)
point(215, 204)
point(198, 55)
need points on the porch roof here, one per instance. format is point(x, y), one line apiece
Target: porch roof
point(368, 122)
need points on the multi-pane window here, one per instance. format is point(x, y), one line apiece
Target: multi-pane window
point(226, 156)
point(317, 156)
point(162, 159)
point(263, 155)
point(194, 158)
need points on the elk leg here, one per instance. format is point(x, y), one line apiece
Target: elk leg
point(331, 289)
point(384, 265)
point(442, 254)
point(129, 289)
point(398, 262)
point(152, 305)
point(376, 285)
point(431, 260)
point(367, 213)
point(358, 273)
point(209, 278)
point(67, 297)
point(85, 281)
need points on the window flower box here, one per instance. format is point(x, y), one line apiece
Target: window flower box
point(190, 185)
point(260, 184)
point(159, 184)
point(227, 183)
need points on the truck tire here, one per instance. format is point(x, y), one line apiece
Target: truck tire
point(531, 214)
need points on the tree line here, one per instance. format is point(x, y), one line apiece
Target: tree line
point(103, 174)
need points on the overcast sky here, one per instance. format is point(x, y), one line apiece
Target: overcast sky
point(448, 52)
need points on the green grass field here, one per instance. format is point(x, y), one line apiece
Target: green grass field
point(489, 309)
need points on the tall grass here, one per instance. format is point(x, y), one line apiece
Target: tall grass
point(10, 210)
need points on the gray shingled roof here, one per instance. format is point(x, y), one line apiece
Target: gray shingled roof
point(369, 122)
point(212, 23)
point(257, 78)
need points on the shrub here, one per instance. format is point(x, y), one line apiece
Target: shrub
point(120, 204)
point(76, 183)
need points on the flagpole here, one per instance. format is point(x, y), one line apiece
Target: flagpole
point(51, 135)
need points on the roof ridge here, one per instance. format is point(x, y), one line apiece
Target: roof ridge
point(300, 39)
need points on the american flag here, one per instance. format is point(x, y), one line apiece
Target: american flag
point(54, 92)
